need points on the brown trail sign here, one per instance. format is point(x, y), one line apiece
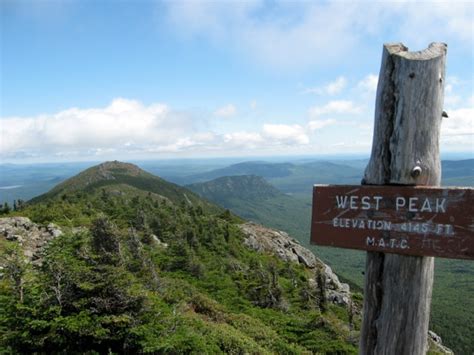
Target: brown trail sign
point(395, 219)
point(405, 151)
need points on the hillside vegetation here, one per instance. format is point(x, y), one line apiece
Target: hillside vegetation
point(452, 312)
point(253, 198)
point(143, 265)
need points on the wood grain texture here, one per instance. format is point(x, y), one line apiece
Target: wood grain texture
point(408, 113)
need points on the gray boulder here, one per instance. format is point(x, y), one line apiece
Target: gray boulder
point(280, 244)
point(31, 236)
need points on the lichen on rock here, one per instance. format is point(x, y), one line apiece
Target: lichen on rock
point(30, 236)
point(280, 244)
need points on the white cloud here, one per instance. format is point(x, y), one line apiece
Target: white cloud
point(287, 134)
point(123, 125)
point(243, 139)
point(128, 128)
point(459, 123)
point(335, 107)
point(332, 88)
point(300, 35)
point(253, 104)
point(437, 19)
point(369, 83)
point(318, 124)
point(470, 100)
point(455, 90)
point(451, 100)
point(457, 131)
point(226, 111)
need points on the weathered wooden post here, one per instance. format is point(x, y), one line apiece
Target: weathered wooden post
point(399, 208)
point(405, 151)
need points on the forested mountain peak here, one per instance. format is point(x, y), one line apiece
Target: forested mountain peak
point(242, 186)
point(114, 177)
point(107, 171)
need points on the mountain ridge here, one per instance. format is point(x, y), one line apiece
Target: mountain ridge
point(254, 198)
point(242, 186)
point(114, 173)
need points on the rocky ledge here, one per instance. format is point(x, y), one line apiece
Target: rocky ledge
point(279, 243)
point(31, 236)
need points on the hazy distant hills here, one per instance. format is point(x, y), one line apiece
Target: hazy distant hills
point(252, 197)
point(299, 178)
point(260, 168)
point(289, 177)
point(293, 177)
point(455, 168)
point(458, 172)
point(248, 187)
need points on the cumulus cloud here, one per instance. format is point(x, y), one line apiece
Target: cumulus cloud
point(470, 100)
point(128, 128)
point(122, 125)
point(318, 124)
point(369, 84)
point(459, 123)
point(457, 131)
point(226, 111)
point(335, 107)
point(299, 35)
point(250, 140)
point(287, 134)
point(457, 91)
point(332, 88)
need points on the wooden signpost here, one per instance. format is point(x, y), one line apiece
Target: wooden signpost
point(394, 217)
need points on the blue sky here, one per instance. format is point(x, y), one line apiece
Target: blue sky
point(96, 80)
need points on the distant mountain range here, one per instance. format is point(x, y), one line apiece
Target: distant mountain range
point(253, 198)
point(288, 177)
point(249, 187)
point(299, 178)
point(293, 177)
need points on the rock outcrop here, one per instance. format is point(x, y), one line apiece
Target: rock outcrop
point(31, 236)
point(266, 240)
point(280, 244)
point(436, 344)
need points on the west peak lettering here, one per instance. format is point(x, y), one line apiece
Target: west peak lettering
point(409, 204)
